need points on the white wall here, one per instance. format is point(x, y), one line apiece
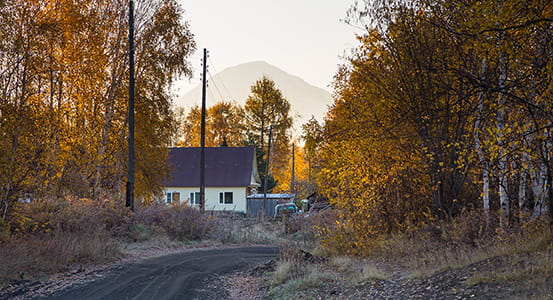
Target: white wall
point(212, 197)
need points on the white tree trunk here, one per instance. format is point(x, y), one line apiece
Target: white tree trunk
point(479, 150)
point(539, 188)
point(502, 165)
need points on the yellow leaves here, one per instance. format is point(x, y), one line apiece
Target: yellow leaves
point(70, 97)
point(25, 225)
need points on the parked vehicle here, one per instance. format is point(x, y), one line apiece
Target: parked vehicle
point(286, 209)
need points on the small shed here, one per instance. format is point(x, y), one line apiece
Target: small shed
point(254, 205)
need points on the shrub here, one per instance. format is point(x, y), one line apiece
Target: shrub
point(180, 222)
point(69, 214)
point(230, 230)
point(49, 235)
point(139, 233)
point(24, 258)
point(471, 228)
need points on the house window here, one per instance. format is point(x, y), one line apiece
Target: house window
point(225, 197)
point(173, 197)
point(195, 198)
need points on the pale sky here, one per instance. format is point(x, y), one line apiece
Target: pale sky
point(302, 37)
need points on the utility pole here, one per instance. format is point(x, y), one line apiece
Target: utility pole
point(202, 136)
point(130, 179)
point(293, 181)
point(266, 181)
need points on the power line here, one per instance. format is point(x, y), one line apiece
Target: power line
point(222, 82)
point(211, 95)
point(215, 84)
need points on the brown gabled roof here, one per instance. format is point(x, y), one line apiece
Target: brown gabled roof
point(224, 167)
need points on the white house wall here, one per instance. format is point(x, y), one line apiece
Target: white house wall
point(212, 197)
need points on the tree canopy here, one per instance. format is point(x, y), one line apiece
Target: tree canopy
point(444, 106)
point(63, 97)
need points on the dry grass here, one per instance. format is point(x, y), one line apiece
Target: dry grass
point(51, 236)
point(295, 275)
point(292, 287)
point(36, 257)
point(290, 264)
point(520, 258)
point(359, 269)
point(55, 235)
point(528, 260)
point(426, 253)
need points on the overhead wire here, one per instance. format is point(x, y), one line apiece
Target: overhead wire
point(210, 92)
point(221, 80)
point(215, 85)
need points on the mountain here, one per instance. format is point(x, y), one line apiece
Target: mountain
point(233, 84)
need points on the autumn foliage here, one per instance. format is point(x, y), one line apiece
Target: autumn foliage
point(445, 106)
point(64, 93)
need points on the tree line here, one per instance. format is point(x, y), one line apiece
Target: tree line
point(444, 107)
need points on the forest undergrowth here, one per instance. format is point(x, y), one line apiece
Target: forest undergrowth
point(463, 257)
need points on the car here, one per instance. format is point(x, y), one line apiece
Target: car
point(286, 209)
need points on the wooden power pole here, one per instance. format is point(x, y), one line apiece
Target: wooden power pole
point(266, 181)
point(130, 179)
point(202, 136)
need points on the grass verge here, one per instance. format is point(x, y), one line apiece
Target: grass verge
point(457, 259)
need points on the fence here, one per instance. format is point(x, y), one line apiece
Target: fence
point(254, 207)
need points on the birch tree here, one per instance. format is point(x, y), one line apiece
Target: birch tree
point(64, 95)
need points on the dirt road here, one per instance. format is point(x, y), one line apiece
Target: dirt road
point(177, 276)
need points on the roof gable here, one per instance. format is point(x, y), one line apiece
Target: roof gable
point(224, 166)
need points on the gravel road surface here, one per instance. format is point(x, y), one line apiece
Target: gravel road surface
point(176, 276)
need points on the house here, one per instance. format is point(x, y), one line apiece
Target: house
point(230, 176)
point(255, 203)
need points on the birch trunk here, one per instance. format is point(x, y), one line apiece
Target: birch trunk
point(108, 113)
point(478, 146)
point(539, 190)
point(502, 165)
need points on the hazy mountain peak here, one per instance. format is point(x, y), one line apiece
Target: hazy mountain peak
point(233, 83)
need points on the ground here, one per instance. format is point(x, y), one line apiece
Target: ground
point(516, 269)
point(344, 278)
point(181, 275)
point(490, 278)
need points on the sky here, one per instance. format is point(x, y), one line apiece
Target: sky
point(305, 38)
